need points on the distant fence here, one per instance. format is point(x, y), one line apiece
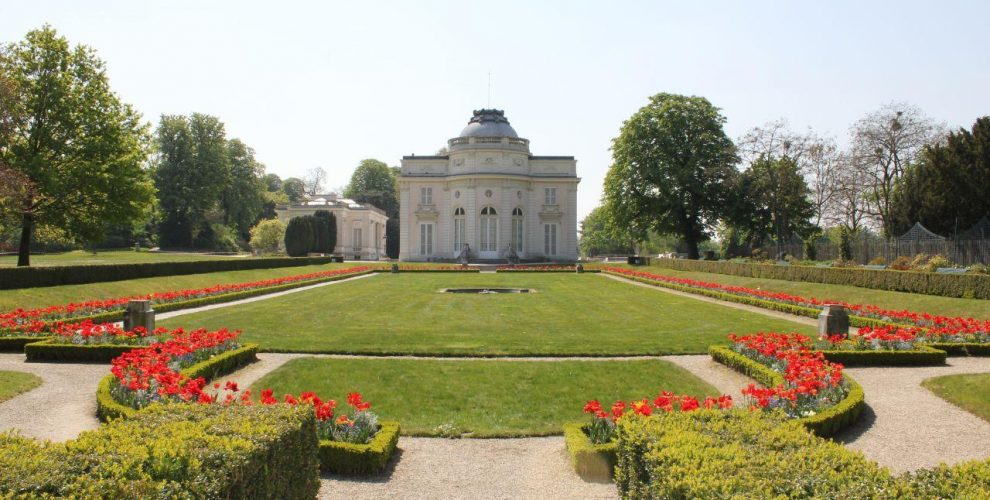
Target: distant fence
point(964, 252)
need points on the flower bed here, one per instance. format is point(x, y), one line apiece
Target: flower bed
point(177, 371)
point(428, 268)
point(935, 328)
point(40, 322)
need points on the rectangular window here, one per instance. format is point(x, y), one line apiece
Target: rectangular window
point(517, 235)
point(357, 238)
point(550, 239)
point(549, 196)
point(426, 239)
point(458, 235)
point(426, 195)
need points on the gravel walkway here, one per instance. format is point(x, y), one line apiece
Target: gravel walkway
point(906, 427)
point(61, 407)
point(180, 312)
point(473, 468)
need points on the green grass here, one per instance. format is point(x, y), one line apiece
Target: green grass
point(569, 314)
point(14, 383)
point(483, 398)
point(87, 258)
point(29, 298)
point(970, 392)
point(948, 306)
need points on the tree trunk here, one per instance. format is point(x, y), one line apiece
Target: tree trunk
point(24, 249)
point(692, 247)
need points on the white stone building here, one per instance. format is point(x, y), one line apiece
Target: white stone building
point(488, 195)
point(360, 226)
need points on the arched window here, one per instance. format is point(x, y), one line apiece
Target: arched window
point(459, 236)
point(517, 230)
point(489, 229)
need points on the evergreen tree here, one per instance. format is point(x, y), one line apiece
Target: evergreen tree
point(326, 227)
point(299, 237)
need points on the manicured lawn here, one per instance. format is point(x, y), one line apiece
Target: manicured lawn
point(948, 306)
point(14, 383)
point(29, 298)
point(87, 258)
point(485, 398)
point(569, 314)
point(969, 392)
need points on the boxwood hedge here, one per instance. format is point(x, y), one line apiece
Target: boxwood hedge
point(594, 462)
point(948, 285)
point(358, 459)
point(27, 277)
point(173, 451)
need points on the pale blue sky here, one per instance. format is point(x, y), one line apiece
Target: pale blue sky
point(329, 84)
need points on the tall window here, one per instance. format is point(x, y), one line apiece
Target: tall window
point(357, 238)
point(550, 239)
point(426, 239)
point(489, 230)
point(517, 230)
point(426, 195)
point(549, 196)
point(459, 239)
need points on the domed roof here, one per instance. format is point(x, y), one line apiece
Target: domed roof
point(488, 123)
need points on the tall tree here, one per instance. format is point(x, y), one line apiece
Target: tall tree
point(599, 236)
point(773, 201)
point(670, 167)
point(295, 189)
point(193, 170)
point(884, 144)
point(375, 182)
point(821, 170)
point(315, 180)
point(81, 148)
point(243, 197)
point(947, 189)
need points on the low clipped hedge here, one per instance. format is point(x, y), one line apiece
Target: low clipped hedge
point(54, 349)
point(27, 277)
point(947, 285)
point(825, 423)
point(593, 462)
point(16, 344)
point(107, 408)
point(360, 459)
point(741, 454)
point(426, 270)
point(922, 355)
point(173, 451)
point(737, 454)
point(961, 348)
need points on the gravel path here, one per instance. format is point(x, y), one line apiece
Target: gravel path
point(61, 407)
point(180, 312)
point(473, 468)
point(725, 379)
point(906, 427)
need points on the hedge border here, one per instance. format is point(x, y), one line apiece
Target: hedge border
point(360, 459)
point(566, 271)
point(163, 307)
point(54, 351)
point(593, 462)
point(30, 277)
point(826, 423)
point(428, 271)
point(961, 348)
point(922, 355)
point(946, 285)
point(107, 408)
point(16, 344)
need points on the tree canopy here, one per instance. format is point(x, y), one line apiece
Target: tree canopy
point(80, 149)
point(671, 165)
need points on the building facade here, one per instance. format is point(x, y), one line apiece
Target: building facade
point(489, 197)
point(360, 226)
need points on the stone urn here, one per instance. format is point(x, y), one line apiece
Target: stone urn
point(395, 268)
point(579, 268)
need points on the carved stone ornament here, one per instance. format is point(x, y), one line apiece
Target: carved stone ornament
point(488, 193)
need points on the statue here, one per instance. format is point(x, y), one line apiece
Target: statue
point(464, 255)
point(511, 255)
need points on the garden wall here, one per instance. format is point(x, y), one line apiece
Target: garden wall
point(947, 285)
point(27, 277)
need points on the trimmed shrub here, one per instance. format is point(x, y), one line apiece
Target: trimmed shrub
point(594, 462)
point(923, 355)
point(737, 454)
point(267, 236)
point(299, 236)
point(947, 285)
point(170, 451)
point(27, 277)
point(16, 344)
point(326, 228)
point(53, 350)
point(359, 459)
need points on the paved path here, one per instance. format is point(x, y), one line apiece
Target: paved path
point(180, 312)
point(907, 427)
point(61, 407)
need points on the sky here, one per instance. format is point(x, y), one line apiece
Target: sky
point(331, 83)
